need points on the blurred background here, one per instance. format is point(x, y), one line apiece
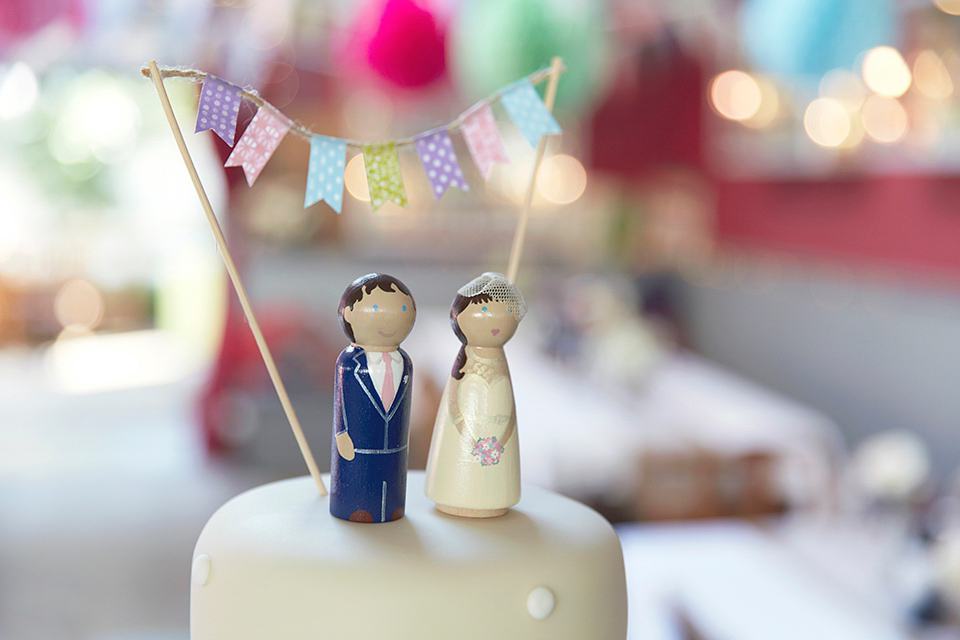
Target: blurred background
point(742, 268)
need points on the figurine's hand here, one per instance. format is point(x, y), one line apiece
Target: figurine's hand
point(345, 446)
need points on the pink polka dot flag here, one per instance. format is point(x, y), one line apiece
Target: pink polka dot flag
point(483, 139)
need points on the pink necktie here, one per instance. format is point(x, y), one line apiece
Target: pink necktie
point(387, 392)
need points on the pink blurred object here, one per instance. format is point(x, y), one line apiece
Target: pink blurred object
point(19, 19)
point(401, 42)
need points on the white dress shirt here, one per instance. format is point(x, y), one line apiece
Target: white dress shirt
point(378, 370)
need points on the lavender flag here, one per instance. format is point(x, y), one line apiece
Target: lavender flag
point(435, 149)
point(219, 107)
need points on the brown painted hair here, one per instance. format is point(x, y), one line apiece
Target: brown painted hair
point(459, 304)
point(364, 285)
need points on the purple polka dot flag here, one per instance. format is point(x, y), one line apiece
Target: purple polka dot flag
point(483, 138)
point(219, 107)
point(528, 112)
point(435, 149)
point(258, 142)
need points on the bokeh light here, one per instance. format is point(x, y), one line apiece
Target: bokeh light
point(78, 306)
point(736, 95)
point(884, 119)
point(18, 91)
point(886, 72)
point(845, 87)
point(827, 122)
point(562, 179)
point(948, 6)
point(931, 76)
point(355, 179)
point(769, 105)
point(99, 121)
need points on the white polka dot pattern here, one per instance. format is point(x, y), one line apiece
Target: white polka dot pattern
point(258, 142)
point(219, 107)
point(483, 139)
point(529, 114)
point(435, 149)
point(325, 171)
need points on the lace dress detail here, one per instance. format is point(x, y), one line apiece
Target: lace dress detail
point(474, 456)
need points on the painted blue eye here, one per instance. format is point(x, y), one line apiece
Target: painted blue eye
point(374, 307)
point(509, 310)
point(404, 307)
point(484, 309)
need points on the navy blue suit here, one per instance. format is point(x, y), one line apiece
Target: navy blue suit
point(375, 480)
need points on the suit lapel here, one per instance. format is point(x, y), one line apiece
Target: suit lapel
point(366, 383)
point(400, 389)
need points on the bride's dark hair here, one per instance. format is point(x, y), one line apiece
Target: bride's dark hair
point(459, 304)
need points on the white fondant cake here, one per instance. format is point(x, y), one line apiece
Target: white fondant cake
point(273, 564)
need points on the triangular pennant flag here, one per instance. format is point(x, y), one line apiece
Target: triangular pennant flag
point(383, 174)
point(325, 171)
point(529, 114)
point(435, 149)
point(483, 138)
point(219, 107)
point(258, 142)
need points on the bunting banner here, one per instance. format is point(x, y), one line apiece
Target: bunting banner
point(383, 174)
point(325, 172)
point(483, 139)
point(219, 107)
point(258, 142)
point(531, 117)
point(435, 149)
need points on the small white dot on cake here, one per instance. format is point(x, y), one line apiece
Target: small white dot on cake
point(201, 570)
point(540, 603)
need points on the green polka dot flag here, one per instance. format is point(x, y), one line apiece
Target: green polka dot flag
point(383, 174)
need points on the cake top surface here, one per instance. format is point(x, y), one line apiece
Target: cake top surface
point(289, 519)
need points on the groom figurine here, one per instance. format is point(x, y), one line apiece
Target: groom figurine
point(371, 402)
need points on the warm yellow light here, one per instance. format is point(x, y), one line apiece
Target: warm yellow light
point(769, 105)
point(948, 6)
point(931, 76)
point(562, 179)
point(736, 95)
point(843, 86)
point(886, 72)
point(884, 118)
point(78, 306)
point(827, 122)
point(355, 178)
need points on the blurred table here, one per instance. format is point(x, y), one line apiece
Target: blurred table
point(731, 580)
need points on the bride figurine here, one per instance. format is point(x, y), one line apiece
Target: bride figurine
point(473, 469)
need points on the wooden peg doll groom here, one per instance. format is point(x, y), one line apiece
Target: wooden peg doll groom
point(371, 410)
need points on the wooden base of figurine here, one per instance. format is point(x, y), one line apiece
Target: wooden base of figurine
point(460, 512)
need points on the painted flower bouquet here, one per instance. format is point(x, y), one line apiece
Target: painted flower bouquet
point(487, 451)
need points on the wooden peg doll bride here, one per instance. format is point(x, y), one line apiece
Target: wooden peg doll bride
point(473, 469)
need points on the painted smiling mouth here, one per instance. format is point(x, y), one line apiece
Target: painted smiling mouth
point(387, 335)
point(494, 331)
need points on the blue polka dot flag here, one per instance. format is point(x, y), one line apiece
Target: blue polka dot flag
point(529, 114)
point(218, 107)
point(325, 171)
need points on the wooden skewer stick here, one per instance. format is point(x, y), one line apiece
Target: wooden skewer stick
point(556, 66)
point(235, 278)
